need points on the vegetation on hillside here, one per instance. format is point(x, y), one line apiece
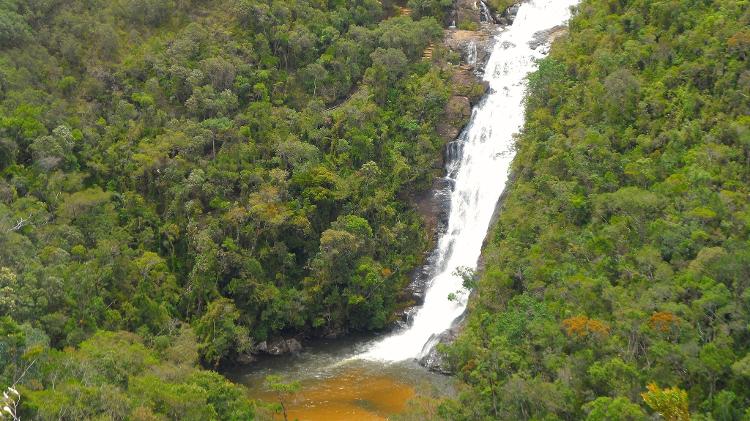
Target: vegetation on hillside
point(114, 375)
point(238, 169)
point(180, 180)
point(616, 279)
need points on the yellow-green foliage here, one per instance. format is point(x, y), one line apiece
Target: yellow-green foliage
point(671, 403)
point(114, 375)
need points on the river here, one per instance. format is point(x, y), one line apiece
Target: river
point(370, 378)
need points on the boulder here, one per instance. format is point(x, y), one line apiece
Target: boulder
point(293, 346)
point(246, 359)
point(284, 346)
point(334, 333)
point(456, 114)
point(458, 108)
point(434, 360)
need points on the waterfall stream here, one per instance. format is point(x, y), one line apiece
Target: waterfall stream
point(479, 173)
point(485, 14)
point(370, 378)
point(471, 60)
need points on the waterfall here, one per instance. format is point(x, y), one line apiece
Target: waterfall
point(478, 164)
point(471, 54)
point(485, 14)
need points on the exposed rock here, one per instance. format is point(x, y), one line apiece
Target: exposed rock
point(485, 13)
point(466, 83)
point(406, 317)
point(507, 17)
point(434, 207)
point(333, 333)
point(465, 13)
point(546, 36)
point(456, 115)
point(246, 358)
point(432, 358)
point(284, 346)
point(294, 346)
point(475, 47)
point(277, 348)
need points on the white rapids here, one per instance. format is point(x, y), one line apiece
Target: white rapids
point(479, 174)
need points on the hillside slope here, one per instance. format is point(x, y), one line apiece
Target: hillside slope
point(201, 177)
point(621, 257)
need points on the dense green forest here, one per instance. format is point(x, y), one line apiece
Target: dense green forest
point(183, 179)
point(616, 278)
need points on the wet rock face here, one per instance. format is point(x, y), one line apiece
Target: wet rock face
point(435, 210)
point(433, 359)
point(475, 47)
point(459, 107)
point(507, 17)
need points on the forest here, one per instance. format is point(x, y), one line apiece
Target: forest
point(181, 180)
point(615, 281)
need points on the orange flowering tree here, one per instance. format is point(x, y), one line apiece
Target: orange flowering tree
point(582, 326)
point(663, 321)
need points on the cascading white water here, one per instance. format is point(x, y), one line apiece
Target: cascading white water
point(480, 173)
point(485, 14)
point(471, 54)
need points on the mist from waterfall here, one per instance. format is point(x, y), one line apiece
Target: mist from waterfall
point(479, 169)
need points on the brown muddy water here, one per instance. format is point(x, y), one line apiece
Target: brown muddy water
point(338, 387)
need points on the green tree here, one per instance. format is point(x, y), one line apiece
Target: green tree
point(619, 409)
point(13, 27)
point(219, 334)
point(284, 392)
